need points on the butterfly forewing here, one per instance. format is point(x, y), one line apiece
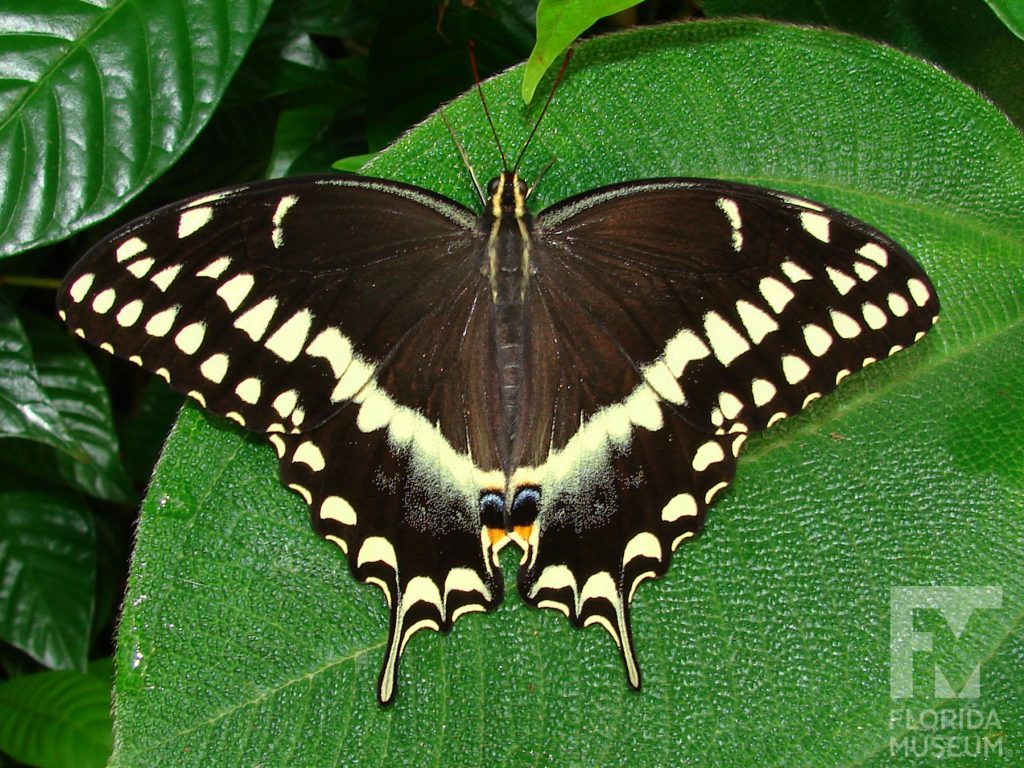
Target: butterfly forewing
point(240, 296)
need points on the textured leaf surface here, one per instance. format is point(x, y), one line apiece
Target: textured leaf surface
point(100, 97)
point(559, 22)
point(71, 383)
point(47, 572)
point(966, 40)
point(244, 639)
point(25, 409)
point(56, 719)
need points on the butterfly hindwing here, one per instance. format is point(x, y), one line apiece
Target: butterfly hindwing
point(405, 518)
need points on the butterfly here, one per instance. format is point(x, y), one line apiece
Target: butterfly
point(439, 382)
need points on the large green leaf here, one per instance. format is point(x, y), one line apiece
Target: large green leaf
point(47, 572)
point(99, 98)
point(56, 719)
point(966, 39)
point(244, 640)
point(26, 410)
point(71, 383)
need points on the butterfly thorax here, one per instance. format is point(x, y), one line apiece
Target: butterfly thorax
point(508, 227)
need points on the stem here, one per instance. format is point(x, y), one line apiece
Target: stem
point(29, 281)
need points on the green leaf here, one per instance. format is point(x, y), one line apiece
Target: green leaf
point(559, 22)
point(354, 163)
point(71, 383)
point(244, 638)
point(1011, 13)
point(81, 79)
point(965, 40)
point(56, 719)
point(25, 409)
point(47, 572)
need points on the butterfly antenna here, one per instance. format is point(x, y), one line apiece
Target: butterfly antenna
point(540, 175)
point(487, 112)
point(464, 156)
point(554, 87)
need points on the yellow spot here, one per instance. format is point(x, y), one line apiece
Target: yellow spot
point(104, 301)
point(681, 505)
point(235, 290)
point(758, 323)
point(682, 349)
point(918, 291)
point(215, 367)
point(816, 225)
point(190, 337)
point(875, 253)
point(864, 270)
point(898, 305)
point(288, 340)
point(818, 339)
point(160, 323)
point(842, 281)
point(310, 455)
point(714, 490)
point(794, 369)
point(763, 391)
point(248, 391)
point(873, 316)
point(725, 342)
point(129, 313)
point(255, 321)
point(165, 277)
point(337, 509)
point(141, 267)
point(845, 326)
point(680, 539)
point(709, 453)
point(193, 220)
point(775, 293)
point(133, 246)
point(215, 268)
point(335, 348)
point(794, 271)
point(81, 287)
point(285, 402)
point(732, 212)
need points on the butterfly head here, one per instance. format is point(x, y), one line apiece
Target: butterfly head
point(506, 196)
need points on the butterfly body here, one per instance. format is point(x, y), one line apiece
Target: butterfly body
point(438, 383)
point(508, 226)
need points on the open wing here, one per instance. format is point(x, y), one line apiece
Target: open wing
point(310, 309)
point(700, 312)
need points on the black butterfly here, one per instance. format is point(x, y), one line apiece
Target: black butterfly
point(437, 383)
